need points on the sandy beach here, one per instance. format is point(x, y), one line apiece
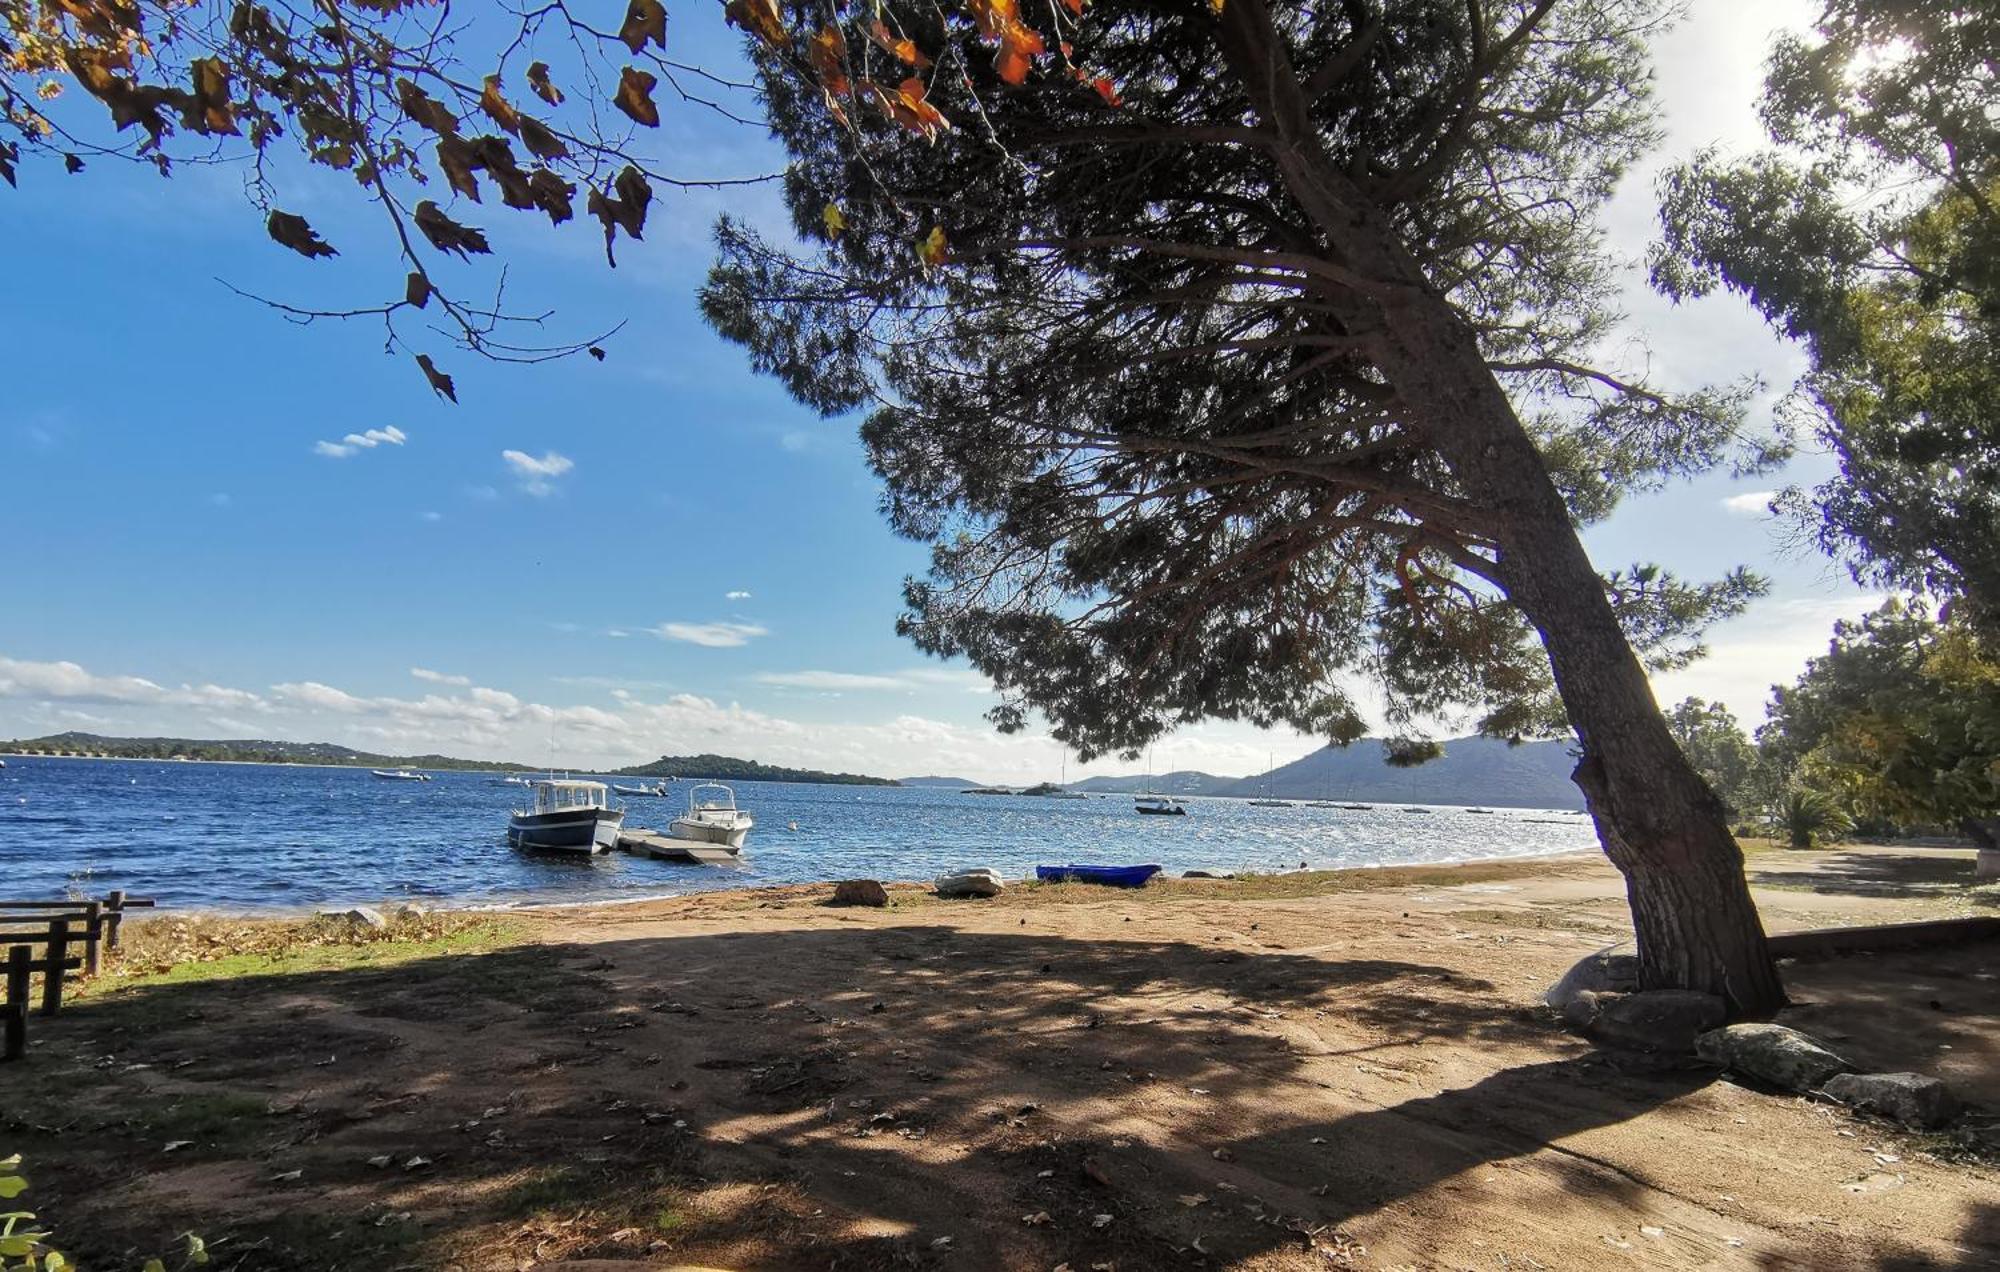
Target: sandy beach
point(1301, 1071)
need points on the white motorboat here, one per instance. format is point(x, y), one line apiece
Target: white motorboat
point(713, 818)
point(400, 775)
point(1158, 806)
point(509, 780)
point(656, 790)
point(567, 816)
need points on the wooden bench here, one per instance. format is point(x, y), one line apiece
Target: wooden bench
point(38, 936)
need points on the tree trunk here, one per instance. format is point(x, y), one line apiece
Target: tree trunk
point(1696, 924)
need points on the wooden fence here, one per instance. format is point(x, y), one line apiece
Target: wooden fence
point(53, 939)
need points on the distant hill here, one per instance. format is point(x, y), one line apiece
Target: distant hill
point(727, 768)
point(252, 751)
point(1472, 770)
point(936, 781)
point(1179, 782)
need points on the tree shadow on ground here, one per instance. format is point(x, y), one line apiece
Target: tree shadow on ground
point(1877, 872)
point(804, 1098)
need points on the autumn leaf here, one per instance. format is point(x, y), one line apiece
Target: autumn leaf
point(440, 382)
point(831, 218)
point(1019, 46)
point(293, 232)
point(1215, 7)
point(538, 79)
point(541, 143)
point(932, 249)
point(760, 17)
point(72, 163)
point(446, 234)
point(896, 46)
point(552, 195)
point(644, 20)
point(827, 53)
point(456, 159)
point(425, 109)
point(909, 106)
point(595, 352)
point(417, 289)
point(497, 107)
point(635, 96)
point(210, 111)
point(10, 155)
point(1106, 87)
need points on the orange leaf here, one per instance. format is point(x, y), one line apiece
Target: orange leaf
point(933, 249)
point(497, 107)
point(902, 48)
point(827, 52)
point(1107, 90)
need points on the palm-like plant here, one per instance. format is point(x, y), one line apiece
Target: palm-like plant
point(1804, 815)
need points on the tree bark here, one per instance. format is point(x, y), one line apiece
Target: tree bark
point(1661, 825)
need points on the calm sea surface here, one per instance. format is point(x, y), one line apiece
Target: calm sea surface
point(244, 837)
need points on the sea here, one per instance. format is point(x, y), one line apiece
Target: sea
point(261, 839)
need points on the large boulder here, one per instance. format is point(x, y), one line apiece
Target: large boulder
point(1665, 1020)
point(860, 892)
point(1910, 1098)
point(1609, 971)
point(1773, 1054)
point(361, 916)
point(980, 881)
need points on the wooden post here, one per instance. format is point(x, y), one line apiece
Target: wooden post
point(114, 904)
point(93, 918)
point(52, 976)
point(14, 1008)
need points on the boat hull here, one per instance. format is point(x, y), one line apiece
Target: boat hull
point(1109, 876)
point(728, 835)
point(578, 830)
point(1175, 811)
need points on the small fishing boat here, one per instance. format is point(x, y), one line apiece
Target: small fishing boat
point(400, 775)
point(566, 816)
point(712, 817)
point(1414, 809)
point(1359, 808)
point(1322, 803)
point(1269, 803)
point(1109, 876)
point(654, 791)
point(1158, 806)
point(1487, 811)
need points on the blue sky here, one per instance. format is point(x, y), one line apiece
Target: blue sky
point(221, 523)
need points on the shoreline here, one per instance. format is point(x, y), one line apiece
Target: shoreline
point(535, 905)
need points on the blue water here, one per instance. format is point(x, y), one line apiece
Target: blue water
point(241, 837)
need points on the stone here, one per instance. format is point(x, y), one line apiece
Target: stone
point(362, 915)
point(1607, 971)
point(1773, 1054)
point(1913, 1099)
point(980, 881)
point(1666, 1020)
point(860, 892)
point(411, 910)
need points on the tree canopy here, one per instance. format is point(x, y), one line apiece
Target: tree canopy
point(1871, 233)
point(1899, 720)
point(1719, 750)
point(1133, 396)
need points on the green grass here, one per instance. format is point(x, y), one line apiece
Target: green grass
point(315, 947)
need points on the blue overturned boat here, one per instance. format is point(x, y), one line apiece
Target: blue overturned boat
point(1109, 876)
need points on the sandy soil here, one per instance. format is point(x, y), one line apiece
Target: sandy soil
point(1302, 1073)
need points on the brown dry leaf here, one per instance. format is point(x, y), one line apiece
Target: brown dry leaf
point(446, 234)
point(760, 17)
point(417, 289)
point(442, 385)
point(538, 79)
point(293, 231)
point(457, 160)
point(497, 107)
point(552, 195)
point(210, 112)
point(644, 20)
point(1194, 1199)
point(425, 109)
point(635, 96)
point(541, 143)
point(1036, 1220)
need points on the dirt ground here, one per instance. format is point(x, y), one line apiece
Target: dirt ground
point(1301, 1072)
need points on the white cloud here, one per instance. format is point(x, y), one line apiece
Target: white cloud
point(736, 596)
point(1751, 503)
point(354, 442)
point(536, 476)
point(438, 677)
point(1767, 646)
point(711, 635)
point(845, 681)
point(433, 516)
point(67, 681)
point(831, 681)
